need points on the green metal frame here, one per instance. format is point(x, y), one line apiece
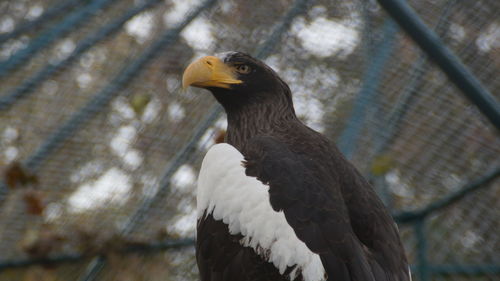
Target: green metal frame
point(476, 93)
point(450, 64)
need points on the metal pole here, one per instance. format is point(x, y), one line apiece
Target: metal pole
point(450, 64)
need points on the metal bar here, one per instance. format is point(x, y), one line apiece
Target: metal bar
point(465, 269)
point(422, 262)
point(441, 269)
point(411, 216)
point(29, 84)
point(450, 64)
point(74, 258)
point(389, 125)
point(47, 37)
point(178, 159)
point(371, 80)
point(50, 13)
point(298, 7)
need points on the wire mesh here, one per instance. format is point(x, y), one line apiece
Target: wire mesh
point(100, 148)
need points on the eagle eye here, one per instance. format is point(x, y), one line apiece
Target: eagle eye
point(243, 68)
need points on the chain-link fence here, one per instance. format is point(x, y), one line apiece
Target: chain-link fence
point(100, 148)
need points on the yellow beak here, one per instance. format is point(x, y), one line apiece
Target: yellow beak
point(209, 72)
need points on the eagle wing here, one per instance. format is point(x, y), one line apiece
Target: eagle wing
point(318, 213)
point(239, 235)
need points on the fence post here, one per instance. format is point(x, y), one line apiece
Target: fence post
point(423, 271)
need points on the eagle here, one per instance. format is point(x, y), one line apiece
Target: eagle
point(277, 200)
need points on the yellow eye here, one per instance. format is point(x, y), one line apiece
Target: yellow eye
point(243, 68)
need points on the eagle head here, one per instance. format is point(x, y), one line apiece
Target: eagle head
point(236, 79)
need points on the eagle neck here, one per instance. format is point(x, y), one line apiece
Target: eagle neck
point(259, 118)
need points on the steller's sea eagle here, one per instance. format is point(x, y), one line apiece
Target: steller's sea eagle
point(278, 201)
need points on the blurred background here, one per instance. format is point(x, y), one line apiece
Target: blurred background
point(100, 149)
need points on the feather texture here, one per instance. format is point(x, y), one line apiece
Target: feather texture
point(242, 203)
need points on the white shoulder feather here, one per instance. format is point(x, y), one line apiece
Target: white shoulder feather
point(242, 203)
